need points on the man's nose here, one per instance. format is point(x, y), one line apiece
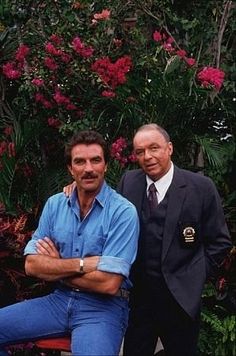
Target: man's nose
point(147, 154)
point(88, 166)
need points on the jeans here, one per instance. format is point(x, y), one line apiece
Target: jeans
point(96, 322)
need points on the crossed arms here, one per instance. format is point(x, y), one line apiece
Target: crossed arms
point(48, 265)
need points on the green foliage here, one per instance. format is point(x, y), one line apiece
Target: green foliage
point(217, 335)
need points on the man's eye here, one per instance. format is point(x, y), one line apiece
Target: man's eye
point(154, 149)
point(139, 153)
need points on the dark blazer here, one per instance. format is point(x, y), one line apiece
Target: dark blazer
point(193, 202)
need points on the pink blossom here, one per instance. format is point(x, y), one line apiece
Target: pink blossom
point(104, 15)
point(51, 49)
point(157, 36)
point(108, 93)
point(170, 40)
point(65, 57)
point(53, 122)
point(71, 107)
point(190, 61)
point(168, 47)
point(181, 53)
point(38, 82)
point(3, 147)
point(210, 76)
point(22, 52)
point(10, 71)
point(50, 63)
point(56, 39)
point(80, 48)
point(61, 99)
point(8, 130)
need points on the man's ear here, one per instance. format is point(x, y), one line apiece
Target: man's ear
point(70, 170)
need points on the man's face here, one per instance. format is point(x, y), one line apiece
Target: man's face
point(153, 153)
point(88, 167)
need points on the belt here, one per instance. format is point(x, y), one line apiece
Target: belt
point(123, 293)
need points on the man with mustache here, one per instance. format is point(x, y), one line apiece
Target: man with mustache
point(85, 243)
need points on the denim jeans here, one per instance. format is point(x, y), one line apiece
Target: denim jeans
point(96, 322)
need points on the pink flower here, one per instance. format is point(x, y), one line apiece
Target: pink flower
point(50, 63)
point(168, 47)
point(190, 61)
point(22, 52)
point(65, 57)
point(8, 130)
point(56, 39)
point(3, 147)
point(80, 48)
point(10, 71)
point(61, 99)
point(108, 93)
point(37, 82)
point(181, 53)
point(51, 49)
point(104, 15)
point(157, 36)
point(54, 122)
point(210, 76)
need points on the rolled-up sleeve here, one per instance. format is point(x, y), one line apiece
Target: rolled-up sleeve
point(121, 245)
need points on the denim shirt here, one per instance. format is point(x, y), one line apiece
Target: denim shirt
point(110, 230)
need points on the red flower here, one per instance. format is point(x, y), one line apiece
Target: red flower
point(56, 39)
point(8, 130)
point(3, 147)
point(56, 123)
point(210, 76)
point(108, 93)
point(11, 149)
point(37, 82)
point(50, 63)
point(22, 52)
point(51, 49)
point(80, 48)
point(10, 71)
point(157, 36)
point(181, 53)
point(61, 99)
point(104, 15)
point(190, 61)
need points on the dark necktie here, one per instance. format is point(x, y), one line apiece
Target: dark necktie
point(152, 197)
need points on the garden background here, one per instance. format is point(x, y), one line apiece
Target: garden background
point(113, 66)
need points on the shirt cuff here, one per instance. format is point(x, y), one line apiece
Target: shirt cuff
point(114, 265)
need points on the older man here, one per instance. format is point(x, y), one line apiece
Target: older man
point(183, 239)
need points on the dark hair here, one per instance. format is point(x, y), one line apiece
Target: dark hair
point(155, 127)
point(87, 138)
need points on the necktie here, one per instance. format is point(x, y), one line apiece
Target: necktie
point(152, 197)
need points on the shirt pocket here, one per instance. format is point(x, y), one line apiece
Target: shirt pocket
point(93, 245)
point(63, 239)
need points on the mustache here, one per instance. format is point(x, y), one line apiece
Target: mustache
point(89, 176)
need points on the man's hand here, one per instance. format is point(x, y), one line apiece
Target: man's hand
point(68, 189)
point(47, 247)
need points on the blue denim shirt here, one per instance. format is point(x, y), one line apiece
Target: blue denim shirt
point(109, 230)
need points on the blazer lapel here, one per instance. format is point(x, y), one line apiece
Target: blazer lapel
point(177, 193)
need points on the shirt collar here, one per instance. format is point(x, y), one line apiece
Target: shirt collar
point(163, 183)
point(100, 197)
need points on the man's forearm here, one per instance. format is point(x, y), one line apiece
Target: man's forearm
point(96, 281)
point(51, 269)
